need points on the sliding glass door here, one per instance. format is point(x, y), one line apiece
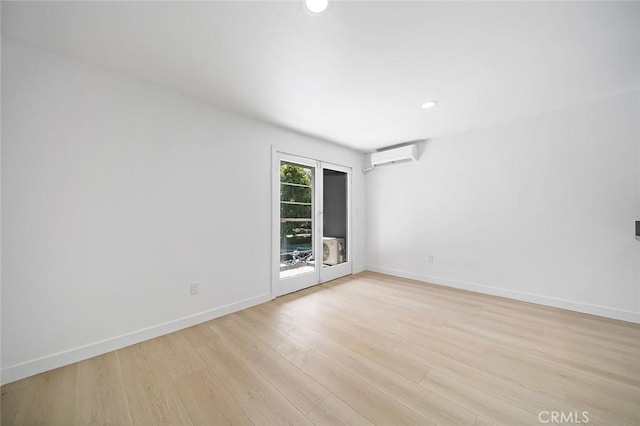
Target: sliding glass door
point(312, 222)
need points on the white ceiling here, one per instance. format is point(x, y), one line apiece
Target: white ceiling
point(357, 74)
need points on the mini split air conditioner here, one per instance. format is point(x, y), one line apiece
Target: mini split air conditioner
point(332, 250)
point(402, 154)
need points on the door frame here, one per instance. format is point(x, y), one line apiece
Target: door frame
point(321, 274)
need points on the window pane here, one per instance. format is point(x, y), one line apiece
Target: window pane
point(296, 220)
point(300, 194)
point(295, 211)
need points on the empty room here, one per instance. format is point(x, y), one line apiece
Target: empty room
point(320, 212)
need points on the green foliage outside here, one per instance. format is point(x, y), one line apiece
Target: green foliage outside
point(289, 231)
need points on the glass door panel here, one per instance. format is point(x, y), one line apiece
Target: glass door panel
point(334, 218)
point(336, 222)
point(297, 254)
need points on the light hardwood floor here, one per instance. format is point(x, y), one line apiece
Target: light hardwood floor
point(362, 350)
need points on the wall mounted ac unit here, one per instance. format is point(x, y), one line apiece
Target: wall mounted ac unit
point(402, 154)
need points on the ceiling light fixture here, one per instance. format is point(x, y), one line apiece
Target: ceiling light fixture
point(429, 104)
point(316, 6)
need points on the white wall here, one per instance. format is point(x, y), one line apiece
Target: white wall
point(540, 209)
point(116, 195)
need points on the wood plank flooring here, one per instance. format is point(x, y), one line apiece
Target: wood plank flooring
point(362, 350)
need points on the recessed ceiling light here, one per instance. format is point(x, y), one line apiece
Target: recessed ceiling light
point(429, 104)
point(316, 6)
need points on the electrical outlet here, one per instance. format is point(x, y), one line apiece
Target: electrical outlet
point(430, 258)
point(195, 288)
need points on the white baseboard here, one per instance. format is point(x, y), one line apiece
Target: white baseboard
point(603, 311)
point(358, 269)
point(49, 362)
